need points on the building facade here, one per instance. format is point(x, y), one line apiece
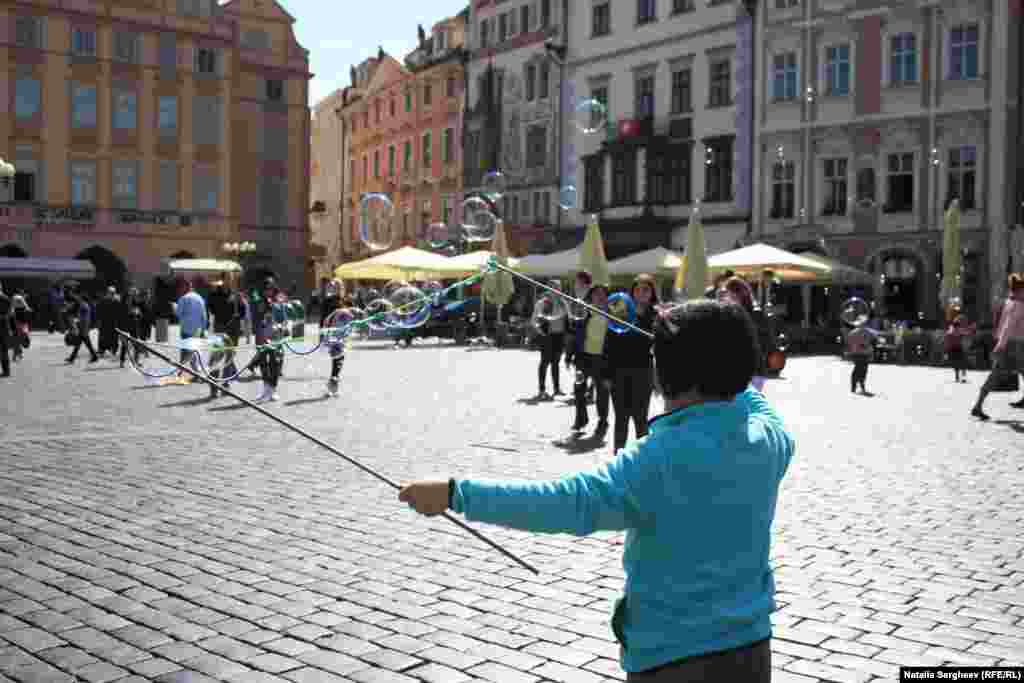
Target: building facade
point(675, 80)
point(400, 124)
point(873, 117)
point(513, 120)
point(143, 130)
point(327, 176)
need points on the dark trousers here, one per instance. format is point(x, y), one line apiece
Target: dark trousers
point(860, 372)
point(958, 359)
point(631, 398)
point(83, 338)
point(336, 364)
point(270, 365)
point(5, 360)
point(222, 363)
point(747, 664)
point(589, 366)
point(551, 348)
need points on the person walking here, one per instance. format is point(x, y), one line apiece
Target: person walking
point(21, 319)
point(550, 319)
point(953, 344)
point(697, 497)
point(108, 315)
point(227, 322)
point(270, 322)
point(163, 308)
point(591, 363)
point(1008, 353)
point(193, 319)
point(6, 332)
point(55, 299)
point(133, 320)
point(80, 327)
point(631, 365)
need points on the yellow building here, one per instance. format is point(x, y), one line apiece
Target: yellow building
point(145, 129)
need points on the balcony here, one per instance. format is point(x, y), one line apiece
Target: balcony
point(408, 176)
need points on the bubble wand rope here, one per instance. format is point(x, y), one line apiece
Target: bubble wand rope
point(593, 309)
point(319, 442)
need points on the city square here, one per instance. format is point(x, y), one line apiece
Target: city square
point(149, 533)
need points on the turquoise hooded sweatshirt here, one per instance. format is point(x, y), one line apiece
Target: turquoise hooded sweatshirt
point(696, 497)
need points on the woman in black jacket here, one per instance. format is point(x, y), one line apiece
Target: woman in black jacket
point(630, 365)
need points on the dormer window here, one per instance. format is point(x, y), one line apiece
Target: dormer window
point(439, 41)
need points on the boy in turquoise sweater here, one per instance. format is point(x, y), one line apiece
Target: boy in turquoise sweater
point(696, 497)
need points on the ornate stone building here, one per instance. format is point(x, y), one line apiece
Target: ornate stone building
point(873, 117)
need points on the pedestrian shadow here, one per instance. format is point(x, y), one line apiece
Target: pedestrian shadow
point(304, 401)
point(187, 403)
point(1015, 425)
point(536, 400)
point(224, 409)
point(867, 394)
point(577, 445)
point(107, 369)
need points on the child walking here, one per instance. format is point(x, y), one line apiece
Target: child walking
point(859, 347)
point(336, 339)
point(954, 344)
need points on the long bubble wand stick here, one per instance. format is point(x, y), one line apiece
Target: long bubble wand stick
point(319, 442)
point(593, 309)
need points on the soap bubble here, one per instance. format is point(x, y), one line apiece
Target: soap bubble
point(568, 198)
point(621, 306)
point(437, 235)
point(392, 287)
point(591, 116)
point(855, 312)
point(494, 185)
point(378, 313)
point(478, 220)
point(551, 308)
point(376, 221)
point(781, 342)
point(410, 307)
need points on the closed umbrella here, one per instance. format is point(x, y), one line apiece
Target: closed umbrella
point(951, 254)
point(696, 264)
point(498, 286)
point(592, 256)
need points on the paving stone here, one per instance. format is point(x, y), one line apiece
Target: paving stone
point(391, 659)
point(438, 673)
point(101, 672)
point(274, 663)
point(310, 675)
point(335, 662)
point(499, 673)
point(32, 639)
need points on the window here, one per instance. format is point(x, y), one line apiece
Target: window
point(645, 96)
point(446, 210)
point(600, 94)
point(682, 92)
point(720, 91)
point(679, 172)
point(25, 183)
point(427, 94)
point(441, 40)
point(786, 4)
point(28, 97)
point(206, 60)
point(408, 101)
point(352, 170)
point(126, 46)
point(376, 163)
point(391, 107)
point(376, 111)
point(485, 31)
point(125, 184)
point(682, 6)
point(125, 110)
point(391, 160)
point(407, 155)
point(903, 59)
point(963, 52)
point(646, 11)
point(256, 39)
point(28, 32)
point(536, 146)
point(900, 182)
point(195, 8)
point(963, 163)
point(83, 42)
point(167, 191)
point(275, 90)
point(206, 191)
point(428, 151)
point(784, 76)
point(783, 189)
point(545, 79)
point(83, 183)
point(531, 77)
point(835, 188)
point(168, 52)
point(718, 169)
point(837, 70)
point(545, 13)
point(206, 120)
point(83, 105)
point(593, 188)
point(602, 23)
point(502, 28)
point(524, 18)
point(624, 177)
point(449, 87)
point(366, 167)
point(446, 146)
point(512, 27)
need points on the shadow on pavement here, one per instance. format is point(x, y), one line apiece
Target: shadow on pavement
point(304, 401)
point(107, 369)
point(576, 445)
point(1015, 425)
point(233, 406)
point(187, 403)
point(536, 400)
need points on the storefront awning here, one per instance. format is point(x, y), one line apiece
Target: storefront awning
point(204, 265)
point(47, 268)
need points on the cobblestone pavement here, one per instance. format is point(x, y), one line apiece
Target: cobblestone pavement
point(149, 534)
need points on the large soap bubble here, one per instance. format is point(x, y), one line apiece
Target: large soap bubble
point(437, 235)
point(855, 312)
point(590, 116)
point(376, 221)
point(622, 307)
point(568, 198)
point(479, 222)
point(410, 307)
point(494, 185)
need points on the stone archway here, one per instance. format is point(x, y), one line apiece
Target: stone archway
point(904, 284)
point(110, 269)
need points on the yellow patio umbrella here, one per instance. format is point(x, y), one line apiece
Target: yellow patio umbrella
point(499, 286)
point(692, 278)
point(951, 254)
point(401, 264)
point(592, 256)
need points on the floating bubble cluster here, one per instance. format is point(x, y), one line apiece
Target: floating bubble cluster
point(377, 221)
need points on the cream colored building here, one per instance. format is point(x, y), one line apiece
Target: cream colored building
point(871, 118)
point(327, 176)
